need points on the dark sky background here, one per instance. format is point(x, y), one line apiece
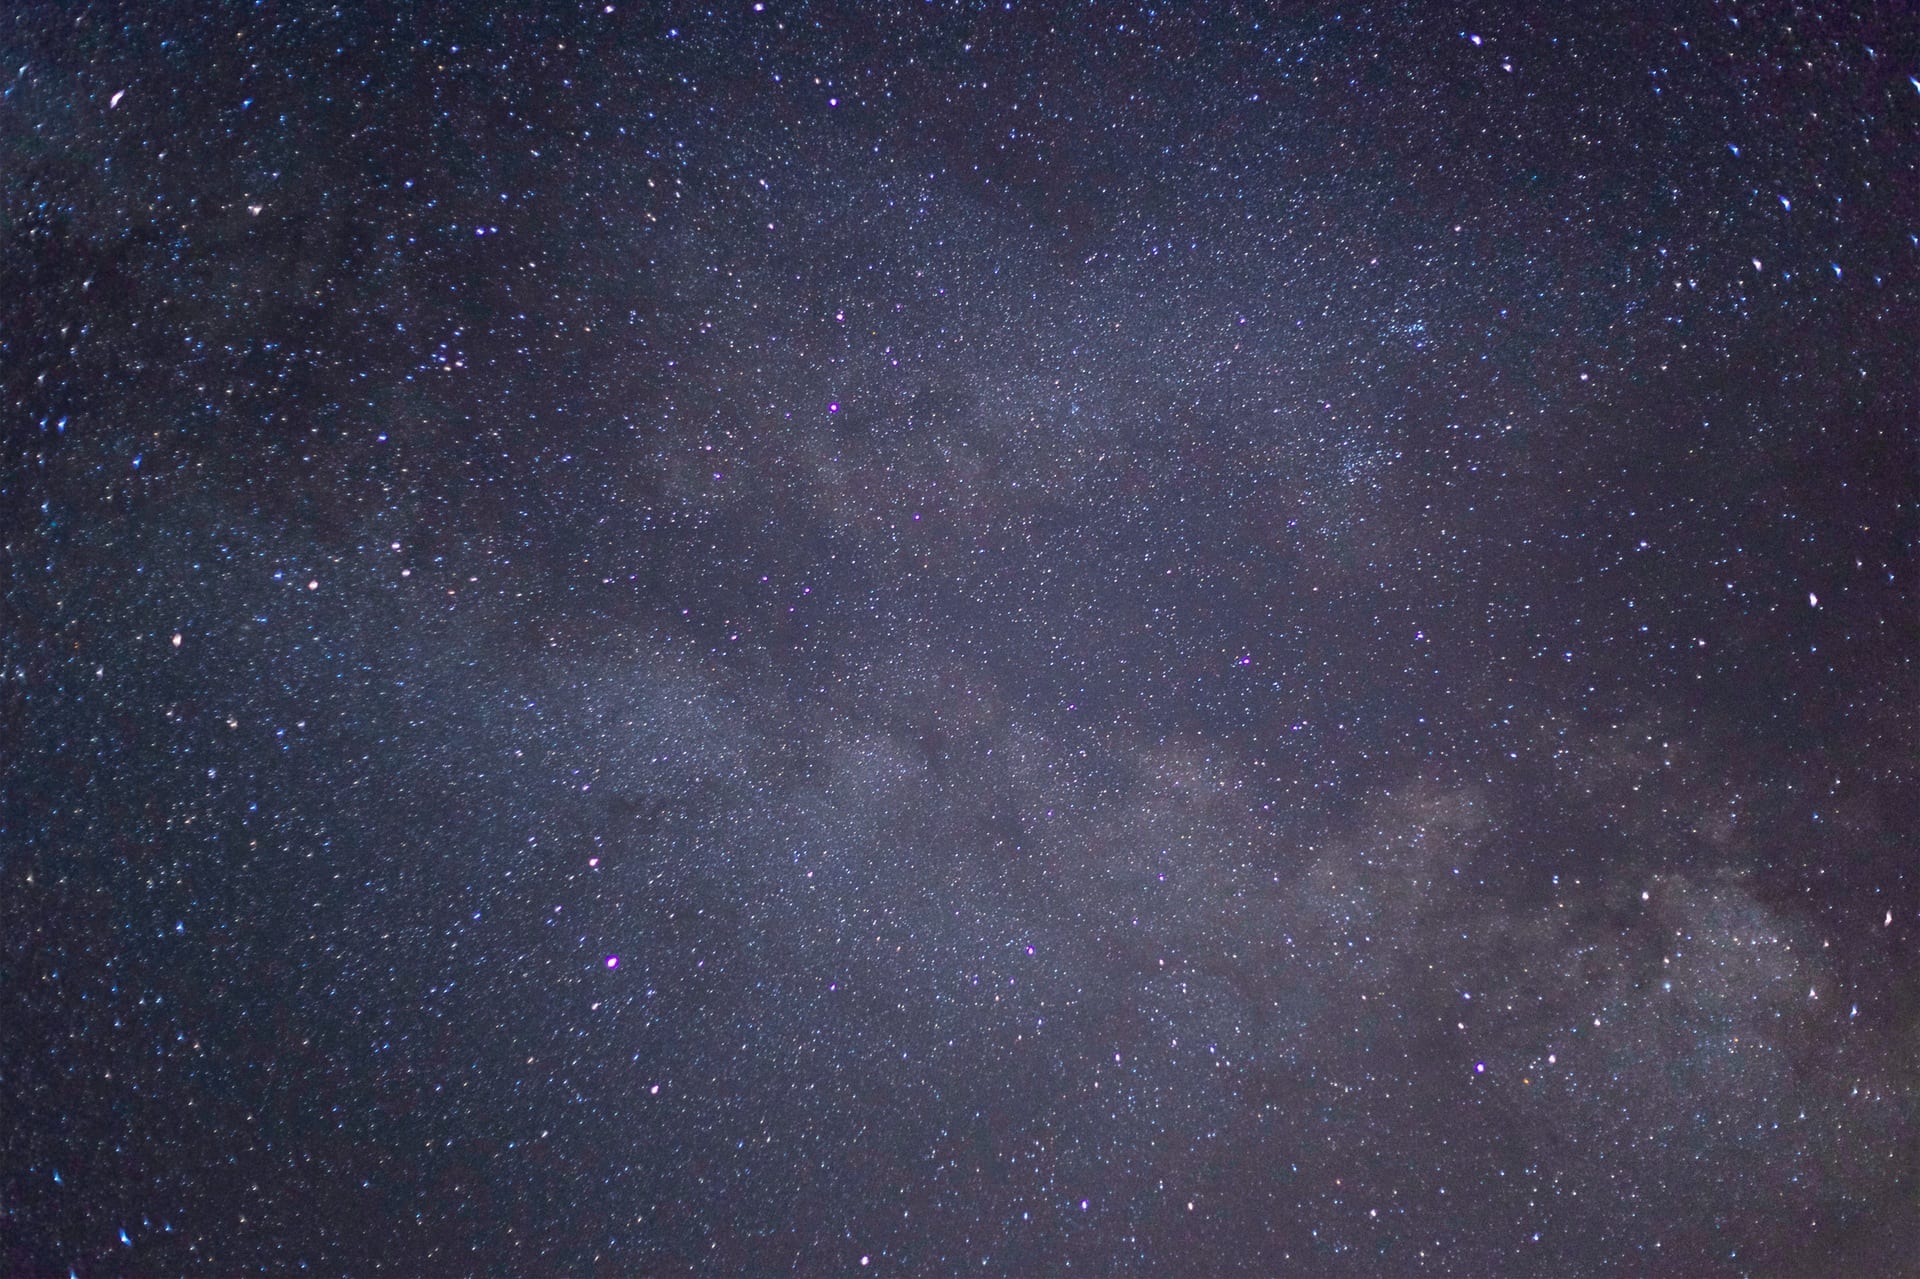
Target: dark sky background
point(1004, 639)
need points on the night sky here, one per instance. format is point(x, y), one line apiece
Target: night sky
point(1008, 639)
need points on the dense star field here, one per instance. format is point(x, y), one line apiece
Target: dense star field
point(1004, 639)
